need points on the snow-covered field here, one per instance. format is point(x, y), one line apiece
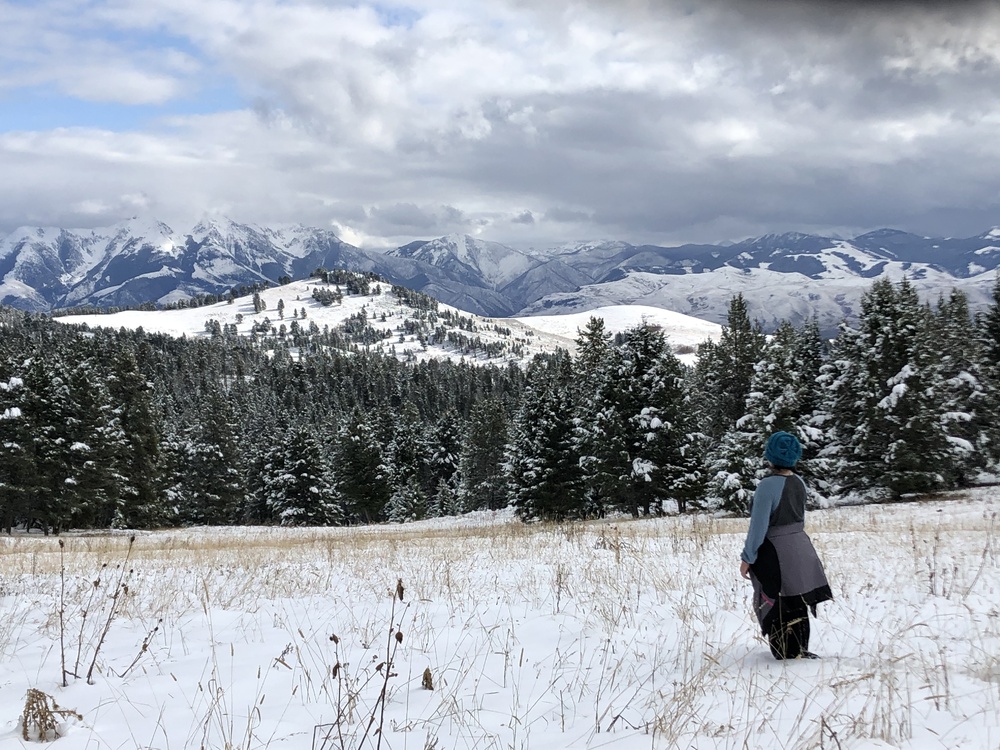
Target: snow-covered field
point(614, 634)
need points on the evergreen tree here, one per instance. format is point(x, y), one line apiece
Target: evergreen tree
point(98, 442)
point(16, 467)
point(361, 475)
point(884, 406)
point(482, 484)
point(735, 467)
point(784, 396)
point(298, 486)
point(407, 503)
point(142, 499)
point(734, 359)
point(410, 450)
point(446, 450)
point(967, 413)
point(54, 455)
point(988, 339)
point(593, 357)
point(636, 436)
point(542, 465)
point(446, 501)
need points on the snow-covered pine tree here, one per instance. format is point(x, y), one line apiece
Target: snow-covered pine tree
point(142, 499)
point(408, 502)
point(988, 336)
point(598, 433)
point(410, 450)
point(593, 356)
point(542, 466)
point(967, 415)
point(884, 412)
point(734, 467)
point(99, 446)
point(785, 396)
point(445, 449)
point(722, 385)
point(360, 471)
point(482, 485)
point(55, 456)
point(298, 486)
point(16, 467)
point(446, 500)
point(207, 478)
point(634, 434)
point(737, 353)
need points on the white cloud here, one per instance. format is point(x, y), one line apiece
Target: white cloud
point(631, 119)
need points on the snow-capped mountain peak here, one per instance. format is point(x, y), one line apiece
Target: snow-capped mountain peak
point(498, 263)
point(782, 276)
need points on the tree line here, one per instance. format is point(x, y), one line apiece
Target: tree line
point(102, 428)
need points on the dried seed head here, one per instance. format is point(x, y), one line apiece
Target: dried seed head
point(334, 638)
point(62, 542)
point(336, 669)
point(399, 589)
point(399, 636)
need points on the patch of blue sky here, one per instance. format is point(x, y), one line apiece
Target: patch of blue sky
point(396, 15)
point(150, 40)
point(41, 109)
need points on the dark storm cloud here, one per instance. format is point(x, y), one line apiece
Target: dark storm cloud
point(566, 215)
point(408, 218)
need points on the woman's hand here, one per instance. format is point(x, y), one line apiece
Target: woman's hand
point(745, 569)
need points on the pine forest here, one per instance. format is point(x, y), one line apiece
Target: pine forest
point(103, 428)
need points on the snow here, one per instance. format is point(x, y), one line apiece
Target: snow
point(613, 634)
point(771, 297)
point(498, 263)
point(534, 334)
point(681, 330)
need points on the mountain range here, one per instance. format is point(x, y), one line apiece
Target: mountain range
point(788, 276)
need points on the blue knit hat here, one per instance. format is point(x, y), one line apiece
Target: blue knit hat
point(783, 450)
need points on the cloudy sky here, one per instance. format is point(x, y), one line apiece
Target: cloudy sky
point(526, 122)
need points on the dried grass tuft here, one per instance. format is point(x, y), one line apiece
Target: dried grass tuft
point(43, 718)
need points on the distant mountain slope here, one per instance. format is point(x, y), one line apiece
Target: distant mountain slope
point(407, 326)
point(138, 262)
point(783, 276)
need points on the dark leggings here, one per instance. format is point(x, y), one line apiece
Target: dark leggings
point(789, 632)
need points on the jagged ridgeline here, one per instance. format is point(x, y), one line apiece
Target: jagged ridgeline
point(105, 426)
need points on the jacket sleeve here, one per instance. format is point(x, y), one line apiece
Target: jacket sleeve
point(765, 500)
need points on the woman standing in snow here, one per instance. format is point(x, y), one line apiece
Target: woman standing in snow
point(778, 558)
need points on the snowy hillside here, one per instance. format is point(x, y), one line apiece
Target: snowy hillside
point(405, 331)
point(771, 297)
point(683, 331)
